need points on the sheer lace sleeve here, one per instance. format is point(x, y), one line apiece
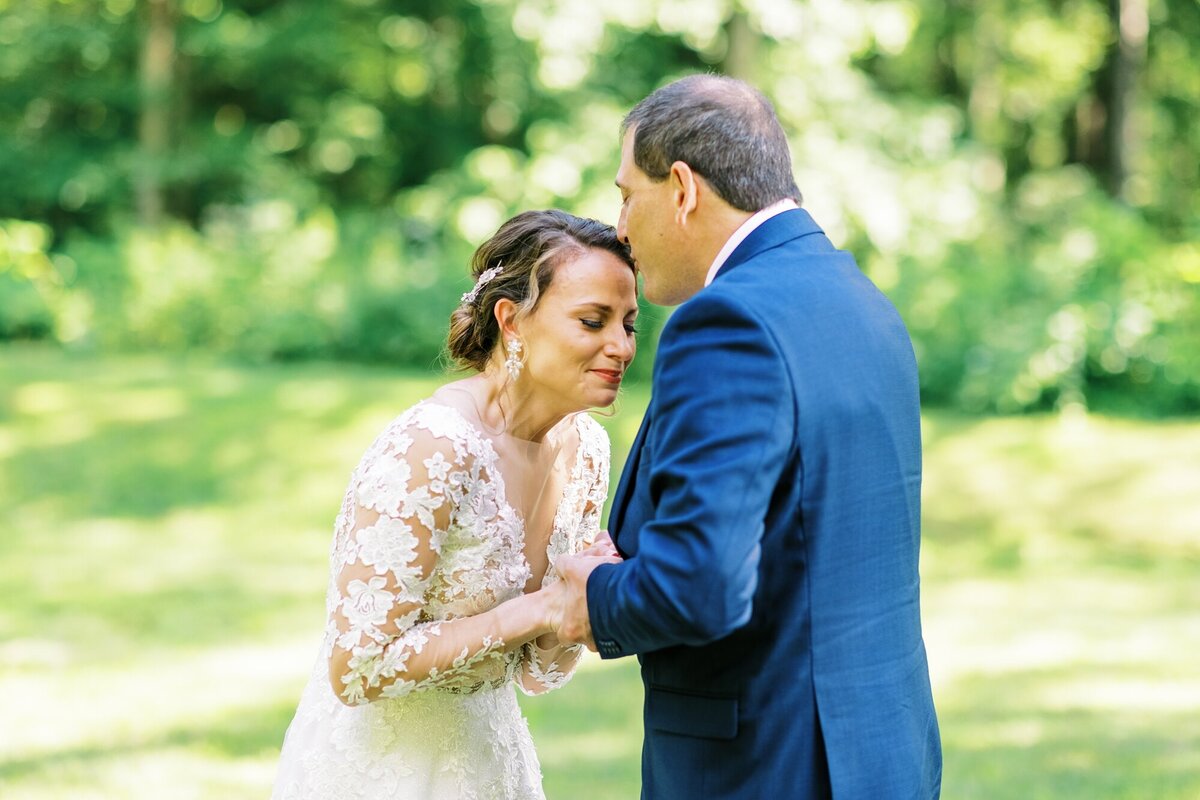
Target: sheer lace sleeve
point(391, 632)
point(597, 458)
point(544, 668)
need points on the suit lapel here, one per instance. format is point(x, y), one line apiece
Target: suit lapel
point(625, 486)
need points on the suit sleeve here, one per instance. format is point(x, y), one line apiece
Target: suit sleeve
point(723, 427)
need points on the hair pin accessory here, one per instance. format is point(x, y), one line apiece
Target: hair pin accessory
point(469, 297)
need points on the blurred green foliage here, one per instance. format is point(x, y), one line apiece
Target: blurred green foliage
point(290, 180)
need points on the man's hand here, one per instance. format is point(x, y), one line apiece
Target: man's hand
point(570, 616)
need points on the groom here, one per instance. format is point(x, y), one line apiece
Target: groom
point(769, 512)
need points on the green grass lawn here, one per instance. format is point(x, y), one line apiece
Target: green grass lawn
point(163, 536)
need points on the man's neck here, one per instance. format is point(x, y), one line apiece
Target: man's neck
point(740, 234)
point(715, 232)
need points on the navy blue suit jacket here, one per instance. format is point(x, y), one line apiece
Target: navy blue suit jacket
point(769, 514)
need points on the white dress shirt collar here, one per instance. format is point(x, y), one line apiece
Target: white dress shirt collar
point(745, 230)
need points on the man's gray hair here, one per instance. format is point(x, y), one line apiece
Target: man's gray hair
point(725, 130)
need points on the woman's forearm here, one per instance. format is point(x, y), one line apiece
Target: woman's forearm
point(431, 654)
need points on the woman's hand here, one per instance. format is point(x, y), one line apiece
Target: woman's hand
point(602, 546)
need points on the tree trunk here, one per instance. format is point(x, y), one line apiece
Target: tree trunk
point(156, 79)
point(1085, 130)
point(742, 53)
point(1131, 23)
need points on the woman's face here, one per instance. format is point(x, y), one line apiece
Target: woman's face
point(580, 337)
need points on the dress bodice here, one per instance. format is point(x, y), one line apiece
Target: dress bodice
point(426, 535)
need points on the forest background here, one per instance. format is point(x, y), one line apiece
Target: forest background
point(306, 179)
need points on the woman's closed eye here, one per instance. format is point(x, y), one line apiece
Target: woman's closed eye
point(601, 317)
point(597, 325)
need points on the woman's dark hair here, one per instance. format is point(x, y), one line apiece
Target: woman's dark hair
point(526, 250)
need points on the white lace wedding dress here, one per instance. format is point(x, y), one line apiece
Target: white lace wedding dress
point(426, 538)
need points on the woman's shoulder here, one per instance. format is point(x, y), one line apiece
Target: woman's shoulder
point(593, 438)
point(431, 424)
point(440, 419)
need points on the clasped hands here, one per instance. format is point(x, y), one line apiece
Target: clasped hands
point(567, 599)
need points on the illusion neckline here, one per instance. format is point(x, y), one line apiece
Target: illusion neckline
point(502, 485)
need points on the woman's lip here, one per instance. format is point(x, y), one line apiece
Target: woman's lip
point(610, 375)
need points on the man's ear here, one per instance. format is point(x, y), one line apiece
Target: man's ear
point(685, 190)
point(505, 312)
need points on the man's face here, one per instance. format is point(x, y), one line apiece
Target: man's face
point(647, 224)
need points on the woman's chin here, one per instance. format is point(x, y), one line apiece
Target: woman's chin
point(603, 399)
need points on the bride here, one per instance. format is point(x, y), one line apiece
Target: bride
point(442, 564)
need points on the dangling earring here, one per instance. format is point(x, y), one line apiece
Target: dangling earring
point(513, 363)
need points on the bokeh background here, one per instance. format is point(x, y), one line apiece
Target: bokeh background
point(232, 231)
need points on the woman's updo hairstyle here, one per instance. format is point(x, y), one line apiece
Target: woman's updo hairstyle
point(526, 250)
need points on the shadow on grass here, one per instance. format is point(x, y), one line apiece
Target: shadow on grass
point(1005, 741)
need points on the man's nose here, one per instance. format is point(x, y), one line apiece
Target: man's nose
point(622, 233)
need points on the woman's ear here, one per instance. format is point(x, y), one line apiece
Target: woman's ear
point(505, 311)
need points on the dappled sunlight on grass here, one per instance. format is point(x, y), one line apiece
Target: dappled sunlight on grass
point(192, 762)
point(1129, 693)
point(1050, 492)
point(38, 399)
point(1055, 685)
point(126, 704)
point(189, 577)
point(1006, 743)
point(165, 532)
point(986, 623)
point(312, 398)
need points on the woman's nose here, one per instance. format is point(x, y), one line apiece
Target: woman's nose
point(620, 346)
